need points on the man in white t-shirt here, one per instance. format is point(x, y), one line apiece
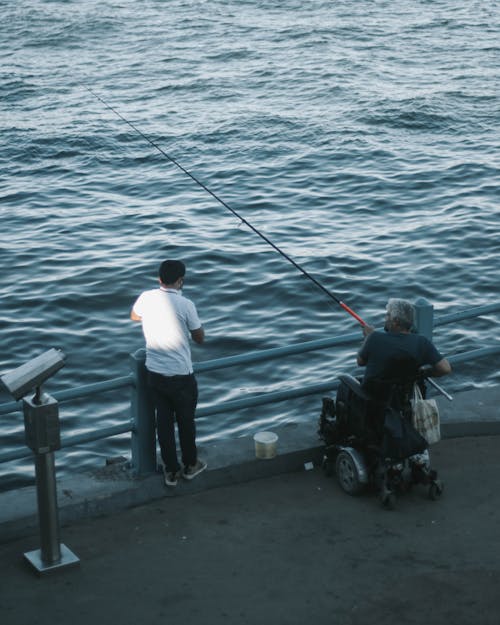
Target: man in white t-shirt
point(168, 321)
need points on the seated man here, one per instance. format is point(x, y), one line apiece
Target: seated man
point(397, 353)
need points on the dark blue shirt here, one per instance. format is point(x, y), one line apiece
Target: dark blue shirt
point(382, 349)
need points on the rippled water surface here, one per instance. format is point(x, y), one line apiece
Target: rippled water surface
point(361, 137)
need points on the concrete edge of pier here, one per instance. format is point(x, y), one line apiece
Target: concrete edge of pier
point(113, 488)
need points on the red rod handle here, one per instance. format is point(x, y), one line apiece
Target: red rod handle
point(352, 313)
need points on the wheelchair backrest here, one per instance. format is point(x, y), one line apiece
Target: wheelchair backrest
point(394, 387)
point(360, 407)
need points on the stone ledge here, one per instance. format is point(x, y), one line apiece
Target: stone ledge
point(87, 495)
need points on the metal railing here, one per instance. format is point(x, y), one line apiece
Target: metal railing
point(142, 422)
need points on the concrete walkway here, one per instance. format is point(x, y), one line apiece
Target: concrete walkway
point(290, 549)
point(267, 541)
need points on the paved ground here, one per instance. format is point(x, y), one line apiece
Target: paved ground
point(286, 550)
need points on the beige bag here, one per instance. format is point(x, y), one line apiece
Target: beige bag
point(425, 416)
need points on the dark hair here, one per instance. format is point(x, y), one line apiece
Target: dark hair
point(171, 270)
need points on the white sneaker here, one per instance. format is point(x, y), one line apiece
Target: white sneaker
point(194, 470)
point(422, 459)
point(170, 477)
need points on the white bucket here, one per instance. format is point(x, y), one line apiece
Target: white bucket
point(265, 444)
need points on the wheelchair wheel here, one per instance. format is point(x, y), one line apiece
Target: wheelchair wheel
point(347, 474)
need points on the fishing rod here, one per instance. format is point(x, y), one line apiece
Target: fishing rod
point(235, 213)
point(439, 388)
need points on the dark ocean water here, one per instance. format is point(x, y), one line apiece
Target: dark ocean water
point(361, 137)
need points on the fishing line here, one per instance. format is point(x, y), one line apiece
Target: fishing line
point(235, 213)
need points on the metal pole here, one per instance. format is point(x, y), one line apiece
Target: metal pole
point(47, 508)
point(424, 317)
point(424, 322)
point(143, 415)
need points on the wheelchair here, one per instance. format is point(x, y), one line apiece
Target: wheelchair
point(370, 441)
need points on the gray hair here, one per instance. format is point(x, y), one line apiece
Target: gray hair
point(400, 311)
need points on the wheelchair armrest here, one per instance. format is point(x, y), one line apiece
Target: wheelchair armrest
point(354, 385)
point(424, 372)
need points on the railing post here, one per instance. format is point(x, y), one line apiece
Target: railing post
point(143, 416)
point(424, 317)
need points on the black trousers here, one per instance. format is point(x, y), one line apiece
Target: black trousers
point(175, 398)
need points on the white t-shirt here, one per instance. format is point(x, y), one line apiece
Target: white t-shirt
point(167, 319)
